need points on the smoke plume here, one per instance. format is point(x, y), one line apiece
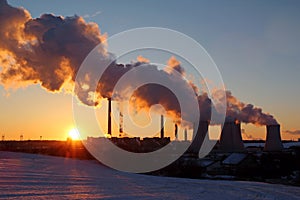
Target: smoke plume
point(247, 113)
point(50, 49)
point(174, 65)
point(47, 50)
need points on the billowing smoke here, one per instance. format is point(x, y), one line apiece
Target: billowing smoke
point(150, 94)
point(46, 50)
point(247, 113)
point(174, 65)
point(50, 49)
point(142, 59)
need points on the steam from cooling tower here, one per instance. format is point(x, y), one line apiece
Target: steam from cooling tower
point(50, 49)
point(243, 112)
point(247, 113)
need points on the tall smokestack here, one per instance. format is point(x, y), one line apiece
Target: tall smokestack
point(185, 134)
point(162, 130)
point(121, 123)
point(120, 119)
point(199, 136)
point(109, 117)
point(273, 139)
point(176, 132)
point(231, 137)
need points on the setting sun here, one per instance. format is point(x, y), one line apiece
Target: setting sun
point(74, 134)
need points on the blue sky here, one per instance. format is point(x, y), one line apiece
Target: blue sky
point(255, 44)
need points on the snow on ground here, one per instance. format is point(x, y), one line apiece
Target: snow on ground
point(234, 158)
point(30, 176)
point(286, 145)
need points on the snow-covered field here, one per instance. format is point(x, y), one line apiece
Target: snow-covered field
point(285, 145)
point(29, 176)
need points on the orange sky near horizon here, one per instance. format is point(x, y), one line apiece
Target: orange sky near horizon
point(34, 112)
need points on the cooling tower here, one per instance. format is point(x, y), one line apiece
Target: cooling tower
point(199, 136)
point(231, 137)
point(162, 130)
point(273, 139)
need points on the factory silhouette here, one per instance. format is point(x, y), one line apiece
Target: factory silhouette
point(230, 138)
point(229, 159)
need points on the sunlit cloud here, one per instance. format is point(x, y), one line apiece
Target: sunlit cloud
point(293, 132)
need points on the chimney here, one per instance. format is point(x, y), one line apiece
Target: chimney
point(162, 131)
point(199, 136)
point(185, 134)
point(121, 121)
point(231, 137)
point(273, 139)
point(176, 132)
point(109, 117)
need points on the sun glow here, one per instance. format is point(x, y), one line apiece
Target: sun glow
point(74, 134)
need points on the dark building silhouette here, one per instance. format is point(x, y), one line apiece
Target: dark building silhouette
point(109, 117)
point(199, 136)
point(273, 138)
point(162, 130)
point(176, 132)
point(231, 137)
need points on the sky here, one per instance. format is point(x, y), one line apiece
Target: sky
point(255, 45)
